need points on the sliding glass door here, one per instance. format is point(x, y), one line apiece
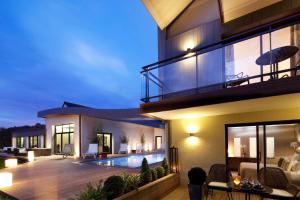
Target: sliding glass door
point(251, 147)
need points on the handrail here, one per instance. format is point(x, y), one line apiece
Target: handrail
point(146, 99)
point(273, 26)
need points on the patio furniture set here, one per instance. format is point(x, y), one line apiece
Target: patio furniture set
point(272, 183)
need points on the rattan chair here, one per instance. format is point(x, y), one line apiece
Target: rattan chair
point(216, 180)
point(275, 178)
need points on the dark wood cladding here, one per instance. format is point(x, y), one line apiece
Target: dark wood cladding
point(252, 91)
point(276, 15)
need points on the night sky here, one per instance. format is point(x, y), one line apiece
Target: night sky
point(88, 52)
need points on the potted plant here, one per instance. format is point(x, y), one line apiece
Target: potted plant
point(143, 141)
point(197, 177)
point(123, 144)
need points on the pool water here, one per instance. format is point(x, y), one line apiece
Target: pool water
point(132, 161)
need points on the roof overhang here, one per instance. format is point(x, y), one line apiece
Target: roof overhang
point(165, 11)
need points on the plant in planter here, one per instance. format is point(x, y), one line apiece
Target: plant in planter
point(160, 172)
point(197, 177)
point(145, 176)
point(143, 141)
point(154, 174)
point(113, 187)
point(166, 166)
point(91, 192)
point(131, 182)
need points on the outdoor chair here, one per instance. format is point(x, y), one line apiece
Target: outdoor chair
point(123, 149)
point(276, 179)
point(92, 151)
point(236, 80)
point(68, 150)
point(139, 148)
point(216, 180)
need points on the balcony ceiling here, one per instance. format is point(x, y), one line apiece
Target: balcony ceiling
point(253, 105)
point(235, 9)
point(165, 11)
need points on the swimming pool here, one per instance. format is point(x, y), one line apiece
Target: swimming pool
point(132, 161)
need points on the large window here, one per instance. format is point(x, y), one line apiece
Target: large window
point(64, 134)
point(33, 142)
point(254, 146)
point(20, 142)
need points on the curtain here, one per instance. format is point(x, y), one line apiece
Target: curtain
point(229, 61)
point(295, 41)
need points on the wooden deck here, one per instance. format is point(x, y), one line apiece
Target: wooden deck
point(56, 178)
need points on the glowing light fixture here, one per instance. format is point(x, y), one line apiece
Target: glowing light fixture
point(30, 155)
point(237, 181)
point(6, 179)
point(192, 129)
point(192, 140)
point(11, 163)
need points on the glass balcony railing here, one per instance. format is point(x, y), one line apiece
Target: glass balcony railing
point(270, 56)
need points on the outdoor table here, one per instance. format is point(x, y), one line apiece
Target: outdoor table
point(275, 56)
point(250, 191)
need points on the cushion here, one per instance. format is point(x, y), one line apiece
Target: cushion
point(296, 167)
point(291, 164)
point(285, 164)
point(296, 157)
point(279, 164)
point(281, 193)
point(218, 184)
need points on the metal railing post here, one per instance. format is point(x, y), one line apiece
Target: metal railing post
point(147, 87)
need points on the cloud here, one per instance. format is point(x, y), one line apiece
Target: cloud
point(93, 57)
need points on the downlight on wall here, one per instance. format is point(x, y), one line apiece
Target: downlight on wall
point(192, 129)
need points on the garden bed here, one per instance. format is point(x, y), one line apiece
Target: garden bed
point(154, 190)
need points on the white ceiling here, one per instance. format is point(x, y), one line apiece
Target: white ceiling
point(165, 11)
point(253, 105)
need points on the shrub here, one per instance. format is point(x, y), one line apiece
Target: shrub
point(165, 165)
point(91, 192)
point(113, 187)
point(131, 182)
point(146, 176)
point(197, 176)
point(160, 172)
point(154, 174)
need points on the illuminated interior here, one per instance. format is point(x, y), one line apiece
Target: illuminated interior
point(264, 144)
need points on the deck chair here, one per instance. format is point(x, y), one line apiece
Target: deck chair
point(139, 148)
point(92, 151)
point(236, 80)
point(68, 150)
point(123, 149)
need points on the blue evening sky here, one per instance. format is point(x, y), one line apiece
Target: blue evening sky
point(83, 51)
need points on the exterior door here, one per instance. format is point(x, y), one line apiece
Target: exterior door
point(158, 142)
point(105, 142)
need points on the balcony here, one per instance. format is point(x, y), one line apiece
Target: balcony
point(265, 65)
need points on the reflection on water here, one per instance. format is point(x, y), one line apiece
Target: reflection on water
point(132, 161)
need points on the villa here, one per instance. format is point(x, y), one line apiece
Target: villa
point(80, 126)
point(227, 84)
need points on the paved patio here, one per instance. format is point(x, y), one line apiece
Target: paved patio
point(55, 178)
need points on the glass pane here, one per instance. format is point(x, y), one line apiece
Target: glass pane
point(58, 143)
point(71, 138)
point(58, 129)
point(158, 142)
point(66, 128)
point(72, 127)
point(65, 140)
point(106, 146)
point(242, 148)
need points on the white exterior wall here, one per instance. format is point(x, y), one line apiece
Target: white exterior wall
point(14, 142)
point(132, 131)
point(59, 120)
